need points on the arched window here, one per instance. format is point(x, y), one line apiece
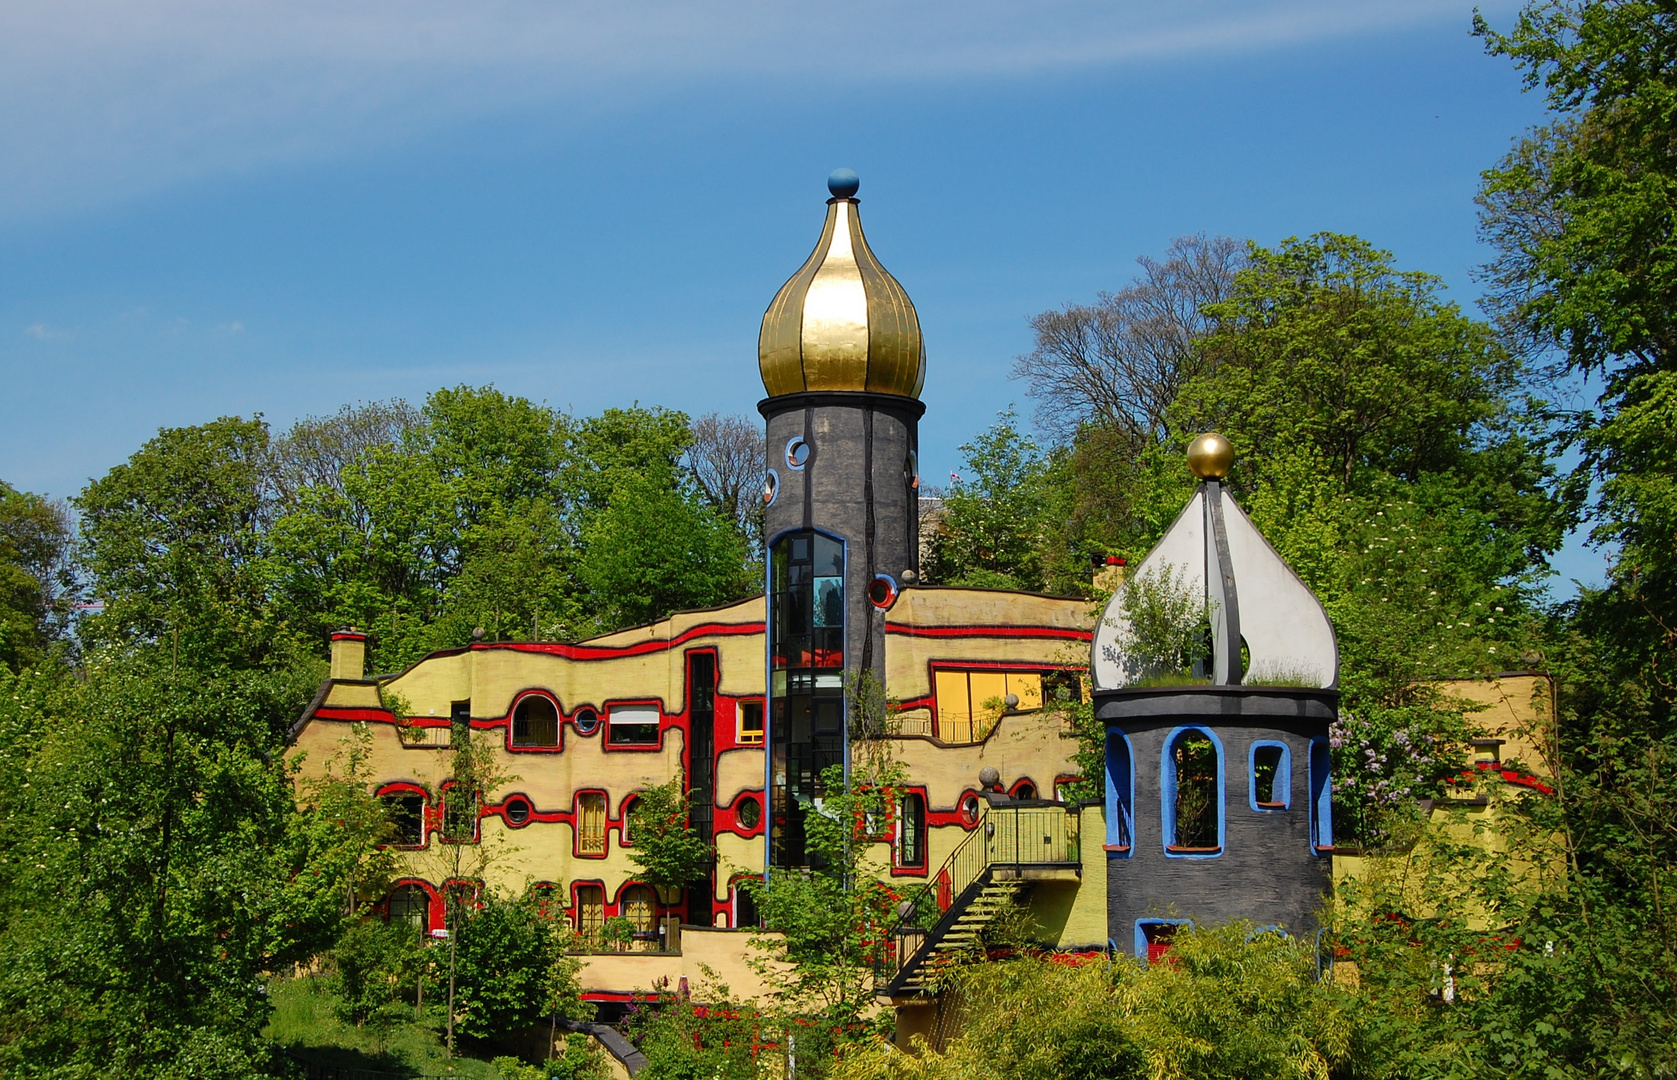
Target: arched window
point(1192, 791)
point(1271, 768)
point(535, 722)
point(1120, 794)
point(1321, 797)
point(410, 905)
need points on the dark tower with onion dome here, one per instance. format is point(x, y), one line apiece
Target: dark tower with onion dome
point(843, 363)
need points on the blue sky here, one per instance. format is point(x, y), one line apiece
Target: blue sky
point(217, 208)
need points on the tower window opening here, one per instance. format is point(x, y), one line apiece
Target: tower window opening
point(1120, 794)
point(1192, 791)
point(1321, 797)
point(805, 721)
point(1272, 776)
point(750, 813)
point(797, 452)
point(535, 722)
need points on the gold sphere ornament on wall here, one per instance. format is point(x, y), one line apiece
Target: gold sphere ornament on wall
point(1210, 456)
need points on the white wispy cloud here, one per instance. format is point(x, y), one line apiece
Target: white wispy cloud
point(105, 99)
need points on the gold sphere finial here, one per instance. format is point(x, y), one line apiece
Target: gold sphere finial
point(1210, 456)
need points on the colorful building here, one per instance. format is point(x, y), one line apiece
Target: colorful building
point(1218, 793)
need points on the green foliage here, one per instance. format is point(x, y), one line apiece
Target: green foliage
point(826, 921)
point(1168, 623)
point(510, 967)
point(377, 970)
point(307, 1020)
point(149, 804)
point(721, 1039)
point(1222, 1006)
point(669, 851)
point(172, 543)
point(654, 548)
point(994, 525)
point(34, 535)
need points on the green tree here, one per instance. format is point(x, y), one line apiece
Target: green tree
point(1228, 1004)
point(992, 530)
point(654, 548)
point(153, 867)
point(34, 535)
point(669, 851)
point(511, 969)
point(172, 542)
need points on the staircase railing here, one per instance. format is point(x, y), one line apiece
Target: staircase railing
point(1006, 836)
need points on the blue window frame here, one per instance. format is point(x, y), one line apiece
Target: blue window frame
point(1321, 797)
point(1277, 762)
point(1120, 795)
point(1184, 837)
point(1152, 936)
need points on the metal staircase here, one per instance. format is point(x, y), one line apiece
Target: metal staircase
point(942, 922)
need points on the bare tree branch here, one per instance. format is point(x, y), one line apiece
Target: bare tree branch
point(1121, 361)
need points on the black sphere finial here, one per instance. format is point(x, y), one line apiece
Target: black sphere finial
point(843, 183)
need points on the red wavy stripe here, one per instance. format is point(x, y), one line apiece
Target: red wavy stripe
point(1059, 632)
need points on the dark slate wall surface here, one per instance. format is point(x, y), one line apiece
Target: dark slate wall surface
point(1267, 872)
point(854, 438)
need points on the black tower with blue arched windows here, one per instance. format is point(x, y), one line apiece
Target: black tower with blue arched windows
point(1218, 787)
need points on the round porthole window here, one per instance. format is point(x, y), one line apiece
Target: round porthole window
point(771, 487)
point(587, 721)
point(750, 813)
point(797, 452)
point(518, 810)
point(882, 591)
point(911, 470)
point(969, 809)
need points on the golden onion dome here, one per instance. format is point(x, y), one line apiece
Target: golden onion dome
point(842, 322)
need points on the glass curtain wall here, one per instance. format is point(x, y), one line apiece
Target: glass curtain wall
point(806, 658)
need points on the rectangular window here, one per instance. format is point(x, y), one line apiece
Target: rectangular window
point(911, 830)
point(632, 725)
point(590, 912)
point(406, 812)
point(970, 702)
point(1153, 937)
point(750, 717)
point(591, 823)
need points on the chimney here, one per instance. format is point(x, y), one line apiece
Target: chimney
point(349, 654)
point(1109, 574)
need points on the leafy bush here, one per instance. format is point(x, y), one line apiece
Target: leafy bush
point(376, 971)
point(1223, 1006)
